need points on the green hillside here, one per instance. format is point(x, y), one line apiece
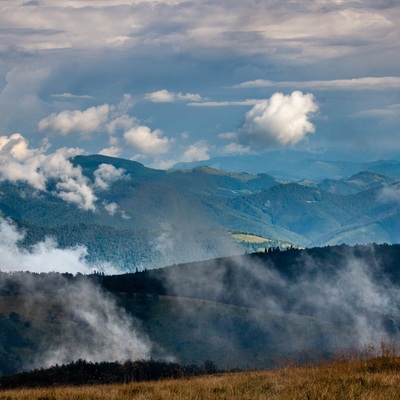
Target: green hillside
point(165, 217)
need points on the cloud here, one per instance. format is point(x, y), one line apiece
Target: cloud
point(74, 191)
point(111, 208)
point(235, 148)
point(346, 298)
point(112, 151)
point(104, 117)
point(306, 32)
point(282, 120)
point(196, 152)
point(164, 96)
point(44, 256)
point(123, 122)
point(70, 96)
point(147, 142)
point(82, 122)
point(93, 327)
point(105, 174)
point(248, 102)
point(19, 162)
point(392, 111)
point(389, 194)
point(365, 83)
point(73, 186)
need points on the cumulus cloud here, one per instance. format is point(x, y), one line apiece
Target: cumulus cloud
point(196, 152)
point(123, 122)
point(19, 162)
point(164, 96)
point(83, 122)
point(105, 117)
point(146, 141)
point(282, 119)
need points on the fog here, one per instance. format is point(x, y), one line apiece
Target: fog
point(315, 303)
point(88, 323)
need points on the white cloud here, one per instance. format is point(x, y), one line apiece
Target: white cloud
point(196, 152)
point(43, 257)
point(364, 83)
point(112, 151)
point(106, 174)
point(70, 96)
point(235, 148)
point(73, 186)
point(18, 162)
point(105, 117)
point(123, 122)
point(111, 208)
point(161, 96)
point(82, 122)
point(164, 96)
point(147, 142)
point(77, 191)
point(283, 120)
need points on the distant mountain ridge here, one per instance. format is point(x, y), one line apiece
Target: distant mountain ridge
point(162, 217)
point(295, 165)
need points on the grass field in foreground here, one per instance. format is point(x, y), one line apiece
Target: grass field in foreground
point(375, 379)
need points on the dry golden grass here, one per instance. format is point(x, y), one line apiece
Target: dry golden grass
point(374, 379)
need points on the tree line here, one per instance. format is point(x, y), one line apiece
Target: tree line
point(82, 372)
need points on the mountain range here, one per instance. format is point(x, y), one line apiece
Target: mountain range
point(165, 217)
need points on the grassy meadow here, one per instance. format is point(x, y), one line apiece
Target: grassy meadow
point(377, 378)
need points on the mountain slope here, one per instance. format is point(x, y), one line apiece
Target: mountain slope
point(154, 217)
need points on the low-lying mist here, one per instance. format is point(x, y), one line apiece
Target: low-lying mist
point(321, 300)
point(88, 322)
point(247, 311)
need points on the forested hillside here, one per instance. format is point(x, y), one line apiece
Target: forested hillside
point(244, 311)
point(146, 218)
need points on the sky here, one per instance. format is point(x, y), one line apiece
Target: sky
point(166, 81)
